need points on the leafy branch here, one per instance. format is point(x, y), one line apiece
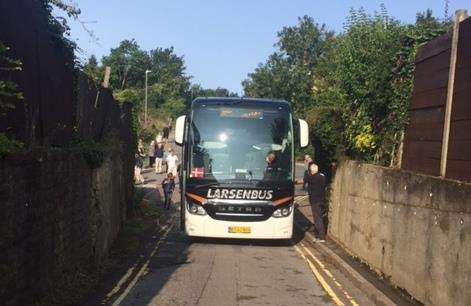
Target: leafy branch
point(8, 89)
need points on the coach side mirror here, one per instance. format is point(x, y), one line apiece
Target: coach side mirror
point(179, 130)
point(303, 133)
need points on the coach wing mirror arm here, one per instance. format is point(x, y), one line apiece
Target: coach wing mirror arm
point(303, 133)
point(180, 130)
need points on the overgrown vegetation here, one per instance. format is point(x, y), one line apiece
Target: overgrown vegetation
point(169, 90)
point(9, 146)
point(10, 95)
point(58, 26)
point(353, 87)
point(94, 153)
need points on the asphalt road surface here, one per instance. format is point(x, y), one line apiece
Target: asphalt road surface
point(184, 271)
point(218, 272)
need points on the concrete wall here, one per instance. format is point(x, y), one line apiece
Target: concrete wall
point(413, 229)
point(58, 218)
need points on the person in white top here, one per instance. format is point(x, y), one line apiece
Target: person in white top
point(151, 153)
point(172, 160)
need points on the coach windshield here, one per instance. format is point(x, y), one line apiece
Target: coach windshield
point(241, 143)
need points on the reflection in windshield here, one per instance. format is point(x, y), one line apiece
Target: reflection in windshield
point(240, 144)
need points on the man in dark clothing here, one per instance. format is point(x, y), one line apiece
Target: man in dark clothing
point(166, 132)
point(307, 162)
point(315, 182)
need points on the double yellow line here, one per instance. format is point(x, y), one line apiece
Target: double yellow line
point(143, 269)
point(306, 254)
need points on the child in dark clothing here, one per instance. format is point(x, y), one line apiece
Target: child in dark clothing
point(168, 185)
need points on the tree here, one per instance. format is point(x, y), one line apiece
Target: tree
point(169, 69)
point(134, 96)
point(197, 91)
point(356, 83)
point(365, 81)
point(269, 80)
point(289, 72)
point(128, 65)
point(93, 70)
point(353, 88)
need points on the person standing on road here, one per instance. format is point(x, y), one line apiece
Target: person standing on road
point(159, 157)
point(151, 153)
point(168, 185)
point(169, 127)
point(166, 132)
point(139, 157)
point(307, 161)
point(172, 160)
point(315, 182)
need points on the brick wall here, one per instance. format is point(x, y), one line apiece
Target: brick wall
point(58, 219)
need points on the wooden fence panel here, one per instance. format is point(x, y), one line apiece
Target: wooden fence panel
point(459, 156)
point(434, 48)
point(426, 99)
point(423, 137)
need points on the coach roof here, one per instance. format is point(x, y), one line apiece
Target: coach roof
point(236, 100)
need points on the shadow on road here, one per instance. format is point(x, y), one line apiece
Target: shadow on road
point(134, 246)
point(160, 255)
point(246, 242)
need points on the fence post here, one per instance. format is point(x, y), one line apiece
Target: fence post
point(460, 15)
point(400, 151)
point(106, 81)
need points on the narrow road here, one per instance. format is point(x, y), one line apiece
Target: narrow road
point(184, 271)
point(219, 272)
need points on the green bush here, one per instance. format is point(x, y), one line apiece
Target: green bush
point(94, 153)
point(9, 93)
point(354, 87)
point(9, 146)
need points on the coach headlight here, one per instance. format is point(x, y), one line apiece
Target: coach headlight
point(283, 212)
point(195, 209)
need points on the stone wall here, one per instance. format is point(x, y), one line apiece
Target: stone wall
point(58, 218)
point(413, 229)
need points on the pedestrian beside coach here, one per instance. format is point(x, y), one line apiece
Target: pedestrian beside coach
point(307, 161)
point(159, 157)
point(172, 160)
point(165, 133)
point(167, 129)
point(158, 138)
point(168, 186)
point(139, 163)
point(315, 185)
point(151, 153)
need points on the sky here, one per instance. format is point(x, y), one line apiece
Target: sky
point(221, 41)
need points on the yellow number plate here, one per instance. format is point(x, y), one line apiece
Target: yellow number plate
point(239, 229)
